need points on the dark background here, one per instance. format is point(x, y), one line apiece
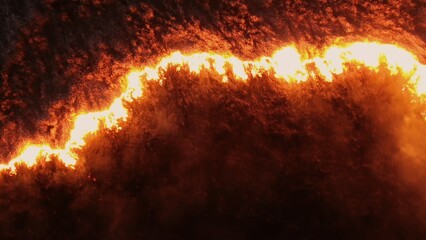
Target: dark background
point(198, 159)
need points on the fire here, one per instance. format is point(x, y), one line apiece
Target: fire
point(287, 64)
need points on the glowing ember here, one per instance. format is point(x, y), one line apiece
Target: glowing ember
point(287, 64)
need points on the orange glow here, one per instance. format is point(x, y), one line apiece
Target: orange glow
point(287, 64)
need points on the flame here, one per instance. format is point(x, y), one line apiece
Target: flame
point(287, 64)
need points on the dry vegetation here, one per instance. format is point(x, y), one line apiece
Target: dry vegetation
point(262, 159)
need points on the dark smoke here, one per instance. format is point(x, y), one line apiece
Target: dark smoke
point(205, 160)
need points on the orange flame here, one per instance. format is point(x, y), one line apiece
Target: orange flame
point(287, 64)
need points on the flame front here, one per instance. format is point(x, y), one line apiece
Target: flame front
point(287, 64)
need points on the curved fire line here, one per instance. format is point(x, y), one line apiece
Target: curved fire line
point(287, 64)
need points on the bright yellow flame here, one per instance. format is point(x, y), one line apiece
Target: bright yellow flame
point(287, 64)
point(419, 79)
point(134, 85)
point(398, 60)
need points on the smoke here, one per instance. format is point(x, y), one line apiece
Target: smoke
point(202, 159)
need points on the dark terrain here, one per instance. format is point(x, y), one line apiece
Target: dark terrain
point(199, 159)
